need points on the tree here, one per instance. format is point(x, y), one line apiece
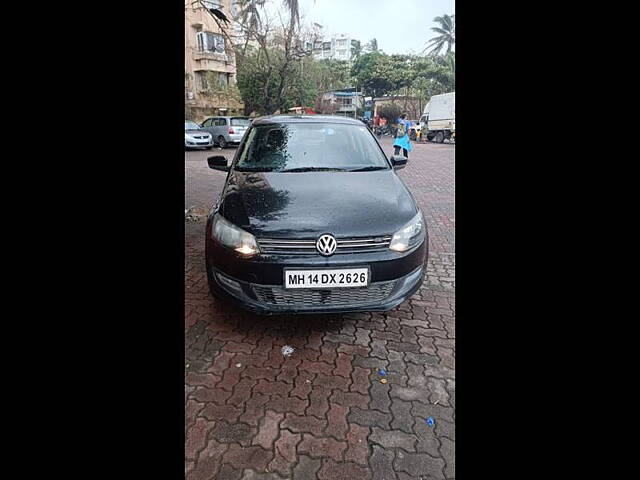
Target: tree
point(390, 112)
point(371, 46)
point(332, 74)
point(249, 16)
point(271, 70)
point(380, 74)
point(446, 35)
point(294, 11)
point(356, 48)
point(370, 73)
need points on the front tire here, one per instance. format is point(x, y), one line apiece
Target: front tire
point(439, 137)
point(222, 143)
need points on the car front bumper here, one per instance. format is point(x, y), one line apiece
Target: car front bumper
point(198, 143)
point(256, 283)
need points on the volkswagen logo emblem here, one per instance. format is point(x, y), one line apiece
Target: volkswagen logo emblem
point(326, 245)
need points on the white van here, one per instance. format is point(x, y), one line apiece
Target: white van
point(438, 121)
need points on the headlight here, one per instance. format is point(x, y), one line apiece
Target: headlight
point(233, 237)
point(409, 235)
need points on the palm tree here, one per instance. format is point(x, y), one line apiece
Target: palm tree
point(447, 31)
point(250, 17)
point(294, 10)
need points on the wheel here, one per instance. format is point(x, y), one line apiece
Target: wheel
point(222, 142)
point(439, 137)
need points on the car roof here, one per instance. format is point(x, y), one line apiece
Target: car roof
point(306, 119)
point(229, 116)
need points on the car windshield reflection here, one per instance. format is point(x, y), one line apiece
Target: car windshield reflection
point(310, 147)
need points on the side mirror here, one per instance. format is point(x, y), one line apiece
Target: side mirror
point(218, 163)
point(398, 161)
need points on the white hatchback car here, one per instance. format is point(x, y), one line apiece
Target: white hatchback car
point(196, 137)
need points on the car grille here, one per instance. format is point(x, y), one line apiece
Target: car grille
point(376, 292)
point(308, 246)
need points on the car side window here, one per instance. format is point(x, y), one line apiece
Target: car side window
point(222, 122)
point(207, 122)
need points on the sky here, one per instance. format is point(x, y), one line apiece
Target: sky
point(399, 26)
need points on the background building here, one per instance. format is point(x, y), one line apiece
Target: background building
point(210, 69)
point(346, 101)
point(336, 47)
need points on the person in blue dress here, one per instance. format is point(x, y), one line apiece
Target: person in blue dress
point(402, 137)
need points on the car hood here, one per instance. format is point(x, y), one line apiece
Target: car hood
point(308, 204)
point(196, 132)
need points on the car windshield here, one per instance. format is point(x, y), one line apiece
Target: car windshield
point(310, 146)
point(240, 122)
point(191, 126)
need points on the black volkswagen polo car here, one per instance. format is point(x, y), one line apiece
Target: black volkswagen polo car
point(314, 219)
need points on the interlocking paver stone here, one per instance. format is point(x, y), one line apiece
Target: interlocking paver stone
point(371, 418)
point(209, 461)
point(285, 452)
point(254, 457)
point(197, 438)
point(232, 432)
point(447, 450)
point(268, 430)
point(322, 447)
point(337, 425)
point(419, 464)
point(393, 439)
point(322, 413)
point(402, 418)
point(382, 464)
point(380, 396)
point(302, 423)
point(357, 446)
point(306, 468)
point(228, 472)
point(343, 471)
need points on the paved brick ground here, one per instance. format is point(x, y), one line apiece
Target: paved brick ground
point(322, 413)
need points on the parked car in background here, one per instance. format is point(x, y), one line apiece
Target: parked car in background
point(313, 218)
point(196, 137)
point(226, 130)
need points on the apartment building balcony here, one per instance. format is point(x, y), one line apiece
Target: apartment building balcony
point(208, 55)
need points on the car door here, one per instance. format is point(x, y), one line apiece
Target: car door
point(208, 125)
point(221, 128)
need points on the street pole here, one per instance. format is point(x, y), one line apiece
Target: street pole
point(355, 106)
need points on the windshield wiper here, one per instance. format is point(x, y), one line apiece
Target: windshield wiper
point(254, 169)
point(313, 169)
point(370, 168)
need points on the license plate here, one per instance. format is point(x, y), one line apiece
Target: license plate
point(335, 278)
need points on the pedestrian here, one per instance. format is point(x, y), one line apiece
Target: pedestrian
point(402, 137)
